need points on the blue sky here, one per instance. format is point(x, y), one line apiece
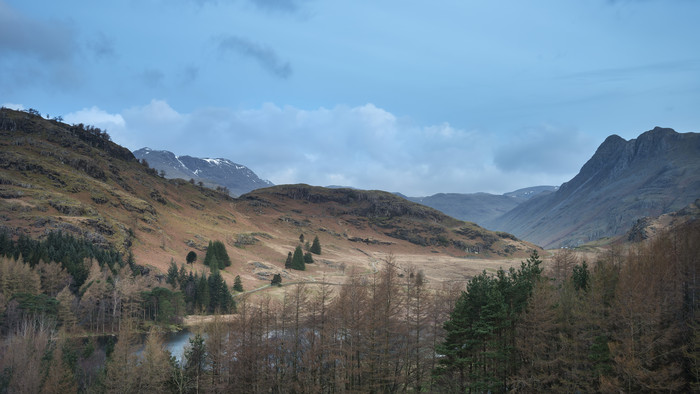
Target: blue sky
point(411, 96)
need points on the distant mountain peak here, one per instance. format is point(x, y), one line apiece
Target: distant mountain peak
point(655, 173)
point(238, 178)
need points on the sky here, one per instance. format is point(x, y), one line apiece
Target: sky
point(417, 97)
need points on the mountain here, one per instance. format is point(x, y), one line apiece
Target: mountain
point(480, 208)
point(656, 173)
point(529, 192)
point(237, 178)
point(74, 179)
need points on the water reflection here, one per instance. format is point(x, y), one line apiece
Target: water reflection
point(176, 342)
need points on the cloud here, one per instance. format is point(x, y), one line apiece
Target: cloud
point(96, 117)
point(264, 55)
point(47, 40)
point(637, 72)
point(102, 46)
point(189, 74)
point(545, 150)
point(277, 5)
point(363, 146)
point(286, 6)
point(150, 125)
point(35, 51)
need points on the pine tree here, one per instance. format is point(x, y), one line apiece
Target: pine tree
point(196, 362)
point(288, 263)
point(182, 277)
point(219, 296)
point(308, 259)
point(217, 250)
point(172, 275)
point(315, 246)
point(238, 284)
point(298, 259)
point(479, 346)
point(202, 298)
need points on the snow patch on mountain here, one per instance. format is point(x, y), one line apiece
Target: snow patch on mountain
point(212, 172)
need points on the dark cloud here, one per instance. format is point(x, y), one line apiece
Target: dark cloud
point(47, 40)
point(36, 52)
point(264, 55)
point(102, 46)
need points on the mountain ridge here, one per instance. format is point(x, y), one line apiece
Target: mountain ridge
point(213, 172)
point(479, 208)
point(653, 174)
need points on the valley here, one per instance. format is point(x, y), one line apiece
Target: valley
point(100, 253)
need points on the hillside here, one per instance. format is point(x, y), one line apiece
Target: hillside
point(237, 178)
point(656, 173)
point(649, 227)
point(54, 176)
point(480, 208)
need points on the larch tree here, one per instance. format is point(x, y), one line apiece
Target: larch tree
point(154, 368)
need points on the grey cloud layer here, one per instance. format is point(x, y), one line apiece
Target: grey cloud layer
point(363, 146)
point(35, 52)
point(264, 55)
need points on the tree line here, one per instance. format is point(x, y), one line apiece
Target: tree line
point(628, 322)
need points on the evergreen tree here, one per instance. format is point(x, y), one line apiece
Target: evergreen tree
point(219, 296)
point(172, 275)
point(276, 280)
point(195, 362)
point(217, 250)
point(581, 277)
point(315, 246)
point(308, 259)
point(298, 259)
point(288, 263)
point(182, 277)
point(237, 284)
point(479, 347)
point(202, 298)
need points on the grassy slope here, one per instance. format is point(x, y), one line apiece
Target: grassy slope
point(55, 178)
